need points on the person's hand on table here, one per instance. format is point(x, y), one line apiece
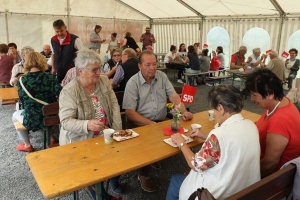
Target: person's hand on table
point(177, 138)
point(197, 133)
point(95, 125)
point(187, 116)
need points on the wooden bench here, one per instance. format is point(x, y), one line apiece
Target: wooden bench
point(190, 77)
point(219, 71)
point(218, 79)
point(275, 186)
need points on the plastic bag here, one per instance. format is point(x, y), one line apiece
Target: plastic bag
point(215, 64)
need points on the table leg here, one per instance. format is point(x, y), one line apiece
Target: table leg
point(75, 195)
point(98, 190)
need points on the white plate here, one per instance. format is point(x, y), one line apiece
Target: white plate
point(119, 138)
point(185, 130)
point(169, 141)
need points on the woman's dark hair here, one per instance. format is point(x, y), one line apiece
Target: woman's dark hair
point(12, 45)
point(293, 49)
point(205, 52)
point(265, 82)
point(220, 49)
point(114, 34)
point(97, 27)
point(184, 50)
point(228, 96)
point(191, 49)
point(128, 34)
point(172, 48)
point(4, 48)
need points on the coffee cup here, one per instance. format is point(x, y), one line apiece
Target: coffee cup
point(196, 126)
point(108, 135)
point(211, 115)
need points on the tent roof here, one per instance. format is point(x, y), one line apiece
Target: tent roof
point(157, 9)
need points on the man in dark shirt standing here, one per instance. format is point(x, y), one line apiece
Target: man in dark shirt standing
point(64, 46)
point(147, 38)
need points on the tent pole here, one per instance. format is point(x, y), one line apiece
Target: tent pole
point(6, 22)
point(68, 14)
point(280, 32)
point(201, 30)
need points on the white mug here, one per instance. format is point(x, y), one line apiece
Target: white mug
point(211, 115)
point(196, 126)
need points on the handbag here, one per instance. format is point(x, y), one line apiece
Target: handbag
point(202, 194)
point(40, 101)
point(215, 64)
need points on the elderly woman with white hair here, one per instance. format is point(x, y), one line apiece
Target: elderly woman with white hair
point(87, 104)
point(255, 59)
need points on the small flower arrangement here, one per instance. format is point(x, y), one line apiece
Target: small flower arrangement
point(175, 110)
point(245, 65)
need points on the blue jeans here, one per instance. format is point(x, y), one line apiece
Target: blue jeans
point(175, 184)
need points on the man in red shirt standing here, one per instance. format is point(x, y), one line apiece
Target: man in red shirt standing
point(238, 58)
point(147, 38)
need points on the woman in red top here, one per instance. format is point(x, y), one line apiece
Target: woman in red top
point(6, 65)
point(279, 124)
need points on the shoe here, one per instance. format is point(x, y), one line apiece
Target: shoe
point(115, 185)
point(179, 81)
point(21, 147)
point(209, 84)
point(183, 78)
point(146, 183)
point(156, 165)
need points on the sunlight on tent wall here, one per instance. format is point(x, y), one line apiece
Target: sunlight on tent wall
point(218, 36)
point(257, 38)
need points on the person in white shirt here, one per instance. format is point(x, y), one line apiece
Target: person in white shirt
point(292, 66)
point(229, 159)
point(170, 58)
point(255, 59)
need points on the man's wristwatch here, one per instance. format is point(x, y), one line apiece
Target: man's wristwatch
point(182, 144)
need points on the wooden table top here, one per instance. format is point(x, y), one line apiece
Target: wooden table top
point(67, 168)
point(238, 72)
point(9, 94)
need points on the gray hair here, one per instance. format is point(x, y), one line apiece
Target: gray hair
point(274, 53)
point(130, 52)
point(86, 57)
point(256, 50)
point(228, 96)
point(243, 48)
point(26, 50)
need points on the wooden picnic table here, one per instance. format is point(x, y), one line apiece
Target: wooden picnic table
point(71, 167)
point(9, 94)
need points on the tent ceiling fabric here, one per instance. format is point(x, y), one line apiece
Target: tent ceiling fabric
point(156, 9)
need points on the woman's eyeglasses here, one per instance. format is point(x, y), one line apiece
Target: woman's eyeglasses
point(94, 70)
point(117, 55)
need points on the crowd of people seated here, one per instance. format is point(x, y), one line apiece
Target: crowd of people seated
point(88, 104)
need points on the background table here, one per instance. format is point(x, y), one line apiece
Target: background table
point(75, 166)
point(9, 94)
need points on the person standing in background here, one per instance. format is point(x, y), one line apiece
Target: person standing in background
point(64, 46)
point(147, 38)
point(113, 43)
point(6, 65)
point(14, 52)
point(95, 39)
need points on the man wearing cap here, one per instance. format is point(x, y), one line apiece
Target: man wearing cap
point(147, 38)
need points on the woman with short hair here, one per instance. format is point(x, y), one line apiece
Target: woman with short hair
point(88, 104)
point(279, 124)
point(130, 43)
point(40, 85)
point(111, 66)
point(228, 160)
point(255, 59)
point(95, 39)
point(113, 43)
point(292, 66)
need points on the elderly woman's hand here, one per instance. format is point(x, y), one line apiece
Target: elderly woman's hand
point(187, 116)
point(198, 133)
point(177, 138)
point(95, 125)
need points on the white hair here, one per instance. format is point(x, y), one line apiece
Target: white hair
point(86, 57)
point(256, 50)
point(26, 50)
point(274, 53)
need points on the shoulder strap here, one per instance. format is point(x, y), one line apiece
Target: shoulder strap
point(40, 101)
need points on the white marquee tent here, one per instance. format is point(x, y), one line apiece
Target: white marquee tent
point(268, 24)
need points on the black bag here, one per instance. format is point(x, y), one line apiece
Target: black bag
point(202, 194)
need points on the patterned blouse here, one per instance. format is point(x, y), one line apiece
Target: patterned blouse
point(42, 86)
point(208, 156)
point(99, 113)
